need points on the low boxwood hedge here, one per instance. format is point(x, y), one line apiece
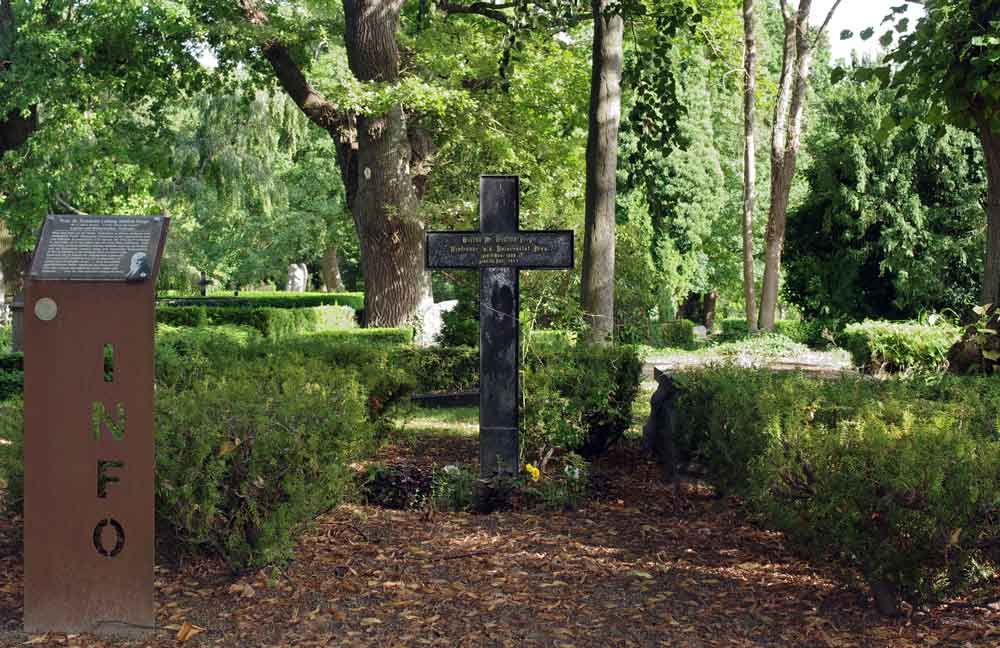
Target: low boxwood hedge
point(897, 482)
point(273, 323)
point(678, 334)
point(889, 347)
point(276, 299)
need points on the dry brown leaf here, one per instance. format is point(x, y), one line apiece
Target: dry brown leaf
point(187, 631)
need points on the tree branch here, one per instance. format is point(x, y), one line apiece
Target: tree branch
point(485, 9)
point(826, 23)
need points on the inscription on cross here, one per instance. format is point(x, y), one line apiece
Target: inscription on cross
point(499, 249)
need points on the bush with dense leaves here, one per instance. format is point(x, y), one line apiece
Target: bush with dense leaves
point(355, 301)
point(578, 399)
point(6, 337)
point(677, 334)
point(273, 323)
point(246, 456)
point(887, 347)
point(897, 480)
point(11, 374)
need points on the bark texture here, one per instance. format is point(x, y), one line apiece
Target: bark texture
point(598, 287)
point(990, 140)
point(792, 88)
point(375, 157)
point(749, 162)
point(331, 270)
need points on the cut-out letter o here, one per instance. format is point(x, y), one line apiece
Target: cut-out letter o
point(119, 537)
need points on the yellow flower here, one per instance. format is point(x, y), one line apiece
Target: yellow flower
point(534, 472)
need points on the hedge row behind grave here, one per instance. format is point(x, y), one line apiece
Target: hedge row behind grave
point(355, 301)
point(899, 480)
point(273, 323)
point(889, 347)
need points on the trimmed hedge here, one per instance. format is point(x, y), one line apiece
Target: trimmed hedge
point(549, 339)
point(273, 323)
point(578, 399)
point(808, 332)
point(279, 299)
point(440, 369)
point(889, 347)
point(677, 334)
point(897, 480)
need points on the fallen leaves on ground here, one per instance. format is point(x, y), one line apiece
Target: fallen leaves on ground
point(637, 568)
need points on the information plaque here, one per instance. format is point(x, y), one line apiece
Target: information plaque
point(97, 248)
point(88, 424)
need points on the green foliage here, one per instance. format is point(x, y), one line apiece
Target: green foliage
point(951, 56)
point(6, 337)
point(11, 452)
point(451, 488)
point(900, 346)
point(440, 369)
point(891, 225)
point(896, 479)
point(276, 299)
point(273, 323)
point(562, 489)
point(734, 328)
point(246, 457)
point(548, 339)
point(11, 374)
point(677, 333)
point(578, 398)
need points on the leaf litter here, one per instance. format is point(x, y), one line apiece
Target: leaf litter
point(638, 567)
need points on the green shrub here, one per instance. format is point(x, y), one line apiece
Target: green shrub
point(11, 451)
point(550, 339)
point(898, 480)
point(245, 457)
point(678, 334)
point(899, 346)
point(578, 399)
point(440, 369)
point(375, 336)
point(273, 299)
point(461, 324)
point(273, 323)
point(11, 375)
point(6, 338)
point(733, 329)
point(452, 488)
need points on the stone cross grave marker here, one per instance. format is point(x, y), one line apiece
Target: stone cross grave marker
point(499, 250)
point(88, 425)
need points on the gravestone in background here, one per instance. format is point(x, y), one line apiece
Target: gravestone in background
point(499, 250)
point(88, 425)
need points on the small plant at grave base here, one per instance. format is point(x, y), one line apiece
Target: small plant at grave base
point(563, 490)
point(452, 488)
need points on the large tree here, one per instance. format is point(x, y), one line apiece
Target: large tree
point(377, 152)
point(953, 58)
point(598, 271)
point(786, 130)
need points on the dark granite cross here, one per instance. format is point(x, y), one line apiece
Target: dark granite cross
point(499, 249)
point(204, 284)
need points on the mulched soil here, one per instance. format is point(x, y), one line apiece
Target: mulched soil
point(637, 567)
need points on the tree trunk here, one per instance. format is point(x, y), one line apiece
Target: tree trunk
point(990, 140)
point(598, 272)
point(749, 162)
point(785, 141)
point(374, 155)
point(331, 270)
point(711, 299)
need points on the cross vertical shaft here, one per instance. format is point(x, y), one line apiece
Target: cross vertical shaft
point(499, 334)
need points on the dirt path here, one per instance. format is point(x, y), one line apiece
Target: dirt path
point(637, 568)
